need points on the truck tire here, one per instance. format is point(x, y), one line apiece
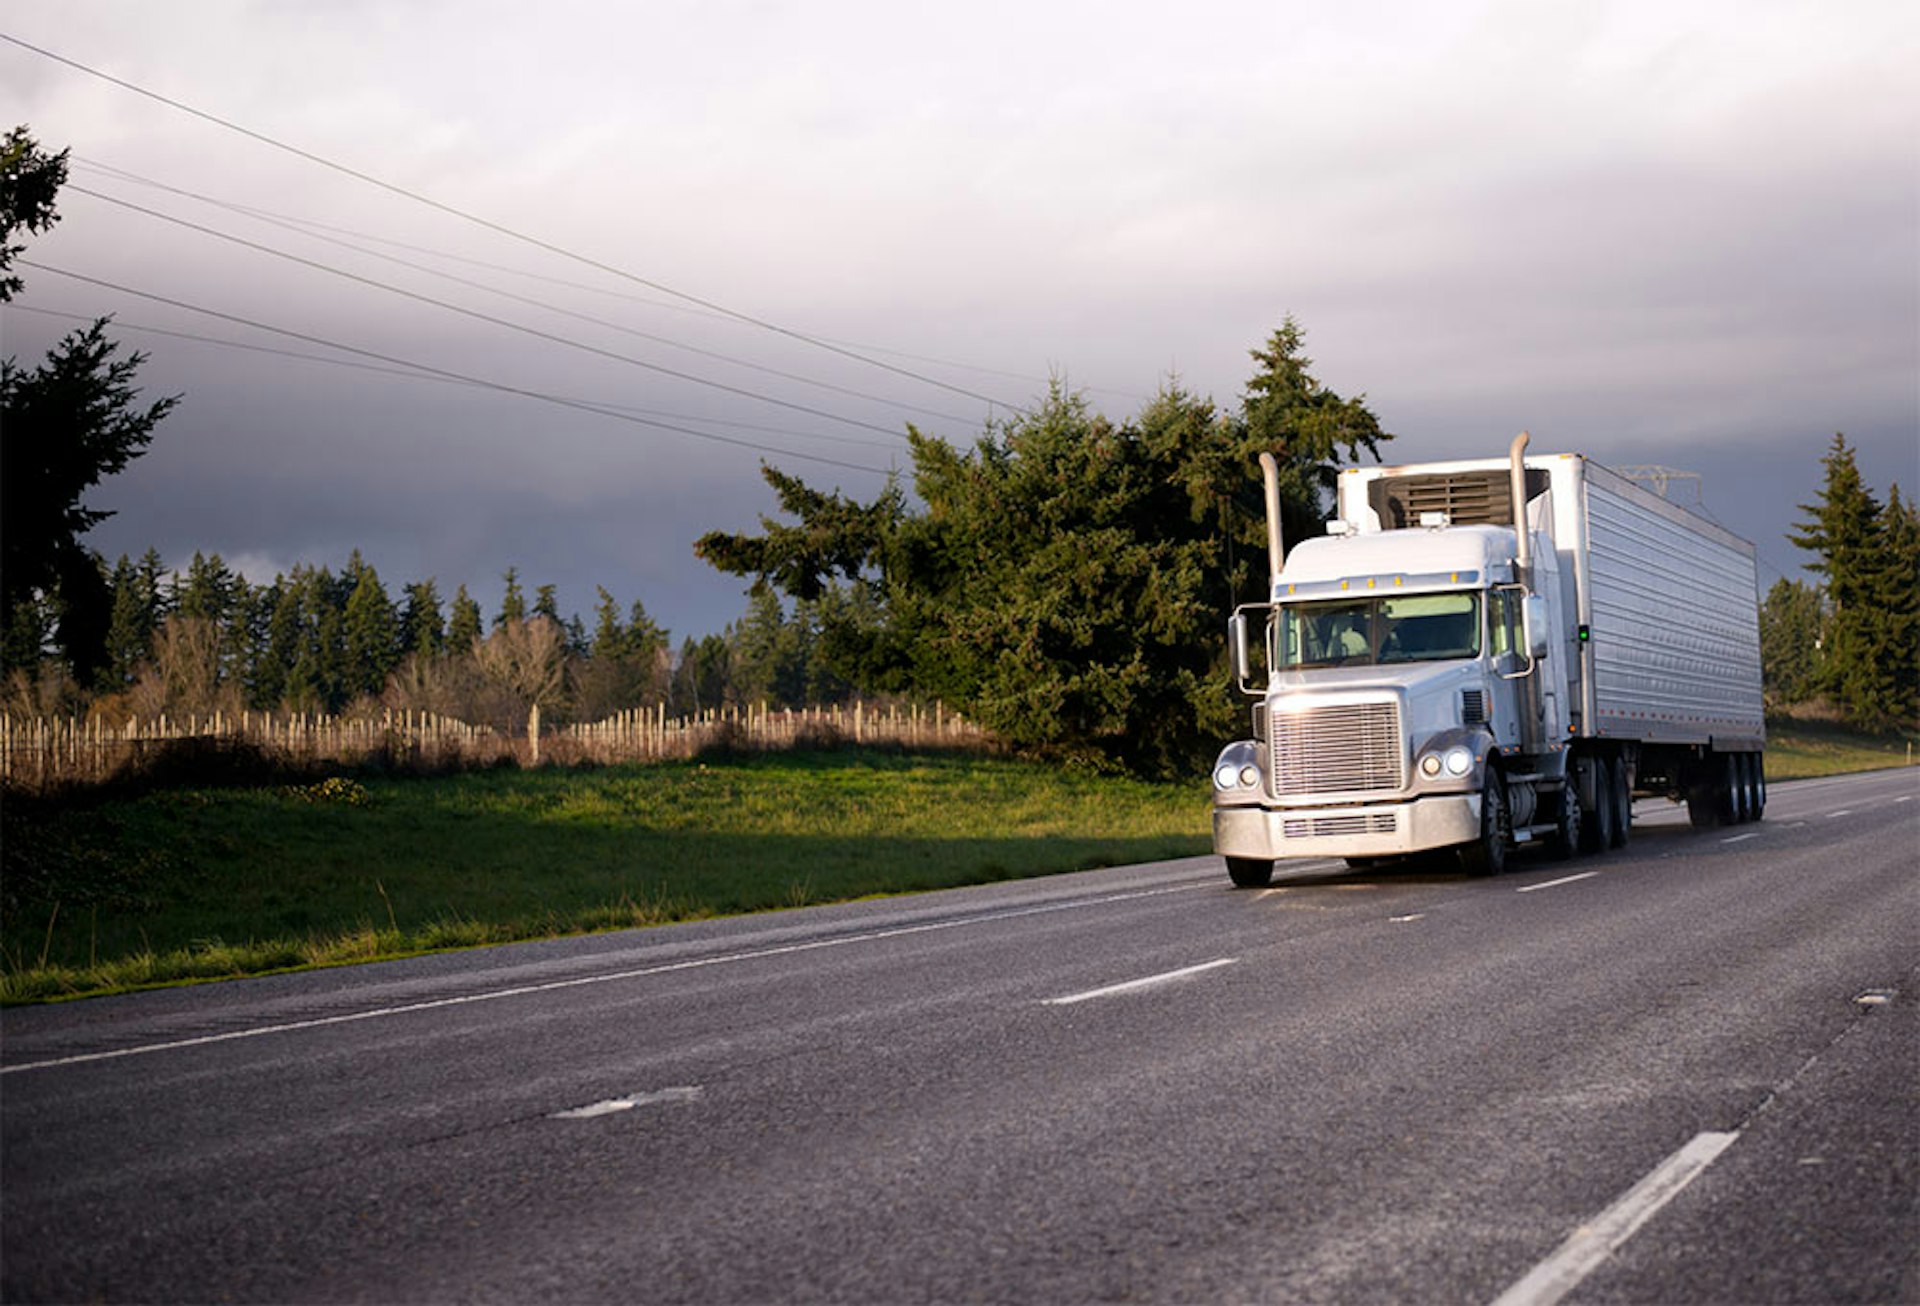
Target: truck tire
point(1569, 833)
point(1710, 792)
point(1760, 784)
point(1249, 872)
point(1487, 855)
point(1753, 799)
point(1599, 834)
point(1622, 795)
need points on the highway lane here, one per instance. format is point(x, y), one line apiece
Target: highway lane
point(1129, 1083)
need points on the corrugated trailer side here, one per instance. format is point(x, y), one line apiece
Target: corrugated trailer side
point(1671, 604)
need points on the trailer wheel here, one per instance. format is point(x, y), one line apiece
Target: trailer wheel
point(1620, 792)
point(1760, 785)
point(1249, 872)
point(1487, 855)
point(1569, 832)
point(1710, 792)
point(1752, 797)
point(1599, 834)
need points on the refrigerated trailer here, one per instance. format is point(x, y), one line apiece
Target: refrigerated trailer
point(1488, 654)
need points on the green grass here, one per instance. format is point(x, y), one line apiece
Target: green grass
point(195, 884)
point(1797, 750)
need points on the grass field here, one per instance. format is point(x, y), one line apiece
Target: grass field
point(210, 883)
point(1797, 750)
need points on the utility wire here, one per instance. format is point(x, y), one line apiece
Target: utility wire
point(311, 225)
point(478, 315)
point(289, 224)
point(121, 324)
point(500, 229)
point(500, 386)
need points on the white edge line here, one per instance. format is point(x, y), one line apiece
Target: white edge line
point(1590, 1244)
point(1845, 811)
point(1565, 879)
point(1751, 834)
point(1132, 985)
point(614, 1105)
point(524, 990)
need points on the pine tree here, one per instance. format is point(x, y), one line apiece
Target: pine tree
point(1846, 532)
point(1900, 530)
point(1791, 623)
point(134, 619)
point(513, 604)
point(463, 623)
point(422, 629)
point(370, 631)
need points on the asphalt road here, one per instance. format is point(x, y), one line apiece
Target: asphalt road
point(1134, 1084)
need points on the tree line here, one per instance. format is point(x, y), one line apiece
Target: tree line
point(205, 639)
point(1849, 643)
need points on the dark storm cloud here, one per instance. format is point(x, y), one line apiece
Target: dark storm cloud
point(1652, 234)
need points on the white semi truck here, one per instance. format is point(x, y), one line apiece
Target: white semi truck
point(1445, 672)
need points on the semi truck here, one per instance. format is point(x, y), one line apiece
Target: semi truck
point(1487, 655)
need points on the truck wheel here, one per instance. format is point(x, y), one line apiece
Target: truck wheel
point(1487, 855)
point(1249, 872)
point(1599, 834)
point(1733, 800)
point(1622, 798)
point(1750, 792)
point(1760, 785)
point(1569, 833)
point(1710, 793)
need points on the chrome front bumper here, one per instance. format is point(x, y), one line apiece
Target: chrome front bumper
point(1381, 830)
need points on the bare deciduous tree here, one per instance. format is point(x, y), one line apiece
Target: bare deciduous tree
point(526, 659)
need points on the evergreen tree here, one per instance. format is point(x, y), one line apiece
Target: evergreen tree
point(546, 603)
point(769, 653)
point(1900, 531)
point(1065, 583)
point(370, 633)
point(422, 629)
point(1791, 622)
point(464, 623)
point(135, 616)
point(513, 604)
point(1846, 531)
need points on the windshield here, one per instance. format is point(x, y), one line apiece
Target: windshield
point(1384, 629)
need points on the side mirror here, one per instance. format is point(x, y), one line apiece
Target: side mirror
point(1237, 646)
point(1240, 634)
point(1533, 618)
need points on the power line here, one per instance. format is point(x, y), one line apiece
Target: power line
point(120, 324)
point(294, 225)
point(478, 315)
point(500, 229)
point(312, 225)
point(502, 387)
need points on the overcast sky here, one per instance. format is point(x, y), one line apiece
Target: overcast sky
point(1654, 233)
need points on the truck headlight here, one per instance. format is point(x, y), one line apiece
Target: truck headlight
point(1229, 776)
point(1455, 761)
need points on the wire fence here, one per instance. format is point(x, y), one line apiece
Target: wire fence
point(39, 754)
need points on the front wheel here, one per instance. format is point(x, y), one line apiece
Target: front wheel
point(1487, 855)
point(1249, 872)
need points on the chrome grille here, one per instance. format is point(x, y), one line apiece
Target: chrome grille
point(1339, 748)
point(1329, 827)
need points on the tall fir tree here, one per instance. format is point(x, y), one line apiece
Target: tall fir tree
point(423, 629)
point(513, 603)
point(464, 623)
point(1845, 530)
point(370, 631)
